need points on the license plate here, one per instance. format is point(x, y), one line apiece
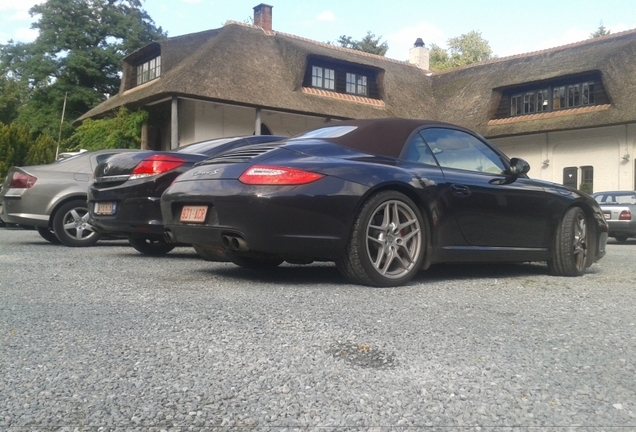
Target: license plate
point(194, 214)
point(105, 208)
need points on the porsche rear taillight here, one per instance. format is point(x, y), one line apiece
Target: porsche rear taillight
point(155, 165)
point(625, 215)
point(22, 181)
point(275, 175)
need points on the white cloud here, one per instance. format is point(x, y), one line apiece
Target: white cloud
point(192, 1)
point(25, 34)
point(401, 42)
point(18, 7)
point(326, 16)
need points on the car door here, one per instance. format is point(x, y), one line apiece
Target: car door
point(490, 209)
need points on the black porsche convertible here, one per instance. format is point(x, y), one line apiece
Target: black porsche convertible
point(382, 199)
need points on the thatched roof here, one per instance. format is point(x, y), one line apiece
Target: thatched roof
point(242, 64)
point(469, 96)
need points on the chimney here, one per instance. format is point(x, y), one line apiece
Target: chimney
point(419, 55)
point(263, 16)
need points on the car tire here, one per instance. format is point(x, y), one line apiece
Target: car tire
point(569, 254)
point(48, 235)
point(70, 224)
point(621, 239)
point(150, 246)
point(387, 244)
point(253, 263)
point(210, 254)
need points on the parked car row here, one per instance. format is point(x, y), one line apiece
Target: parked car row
point(381, 198)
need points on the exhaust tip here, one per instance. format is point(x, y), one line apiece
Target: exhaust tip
point(169, 237)
point(234, 243)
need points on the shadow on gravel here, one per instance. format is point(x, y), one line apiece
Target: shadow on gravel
point(326, 273)
point(461, 271)
point(316, 274)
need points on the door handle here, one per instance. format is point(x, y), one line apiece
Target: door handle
point(460, 190)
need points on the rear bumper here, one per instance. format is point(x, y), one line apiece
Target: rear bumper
point(305, 222)
point(13, 211)
point(622, 228)
point(133, 216)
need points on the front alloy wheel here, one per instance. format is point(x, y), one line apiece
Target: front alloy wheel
point(387, 244)
point(570, 254)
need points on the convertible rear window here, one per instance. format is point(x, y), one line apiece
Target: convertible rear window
point(327, 132)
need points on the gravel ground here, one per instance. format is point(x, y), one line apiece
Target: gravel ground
point(104, 338)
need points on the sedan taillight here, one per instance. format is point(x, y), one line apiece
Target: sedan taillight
point(275, 175)
point(154, 165)
point(625, 215)
point(22, 181)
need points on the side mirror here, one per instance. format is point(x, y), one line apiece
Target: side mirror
point(518, 167)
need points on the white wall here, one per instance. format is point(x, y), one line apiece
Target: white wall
point(601, 148)
point(199, 121)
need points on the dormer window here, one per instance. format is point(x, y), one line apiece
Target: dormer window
point(323, 78)
point(342, 77)
point(554, 95)
point(149, 70)
point(357, 84)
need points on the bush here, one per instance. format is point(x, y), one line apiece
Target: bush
point(121, 131)
point(587, 188)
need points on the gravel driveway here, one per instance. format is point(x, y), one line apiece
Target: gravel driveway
point(104, 337)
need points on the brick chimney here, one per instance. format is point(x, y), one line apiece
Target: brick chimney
point(419, 55)
point(263, 16)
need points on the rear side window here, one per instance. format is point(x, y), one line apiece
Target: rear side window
point(418, 151)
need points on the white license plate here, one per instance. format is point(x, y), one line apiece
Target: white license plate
point(105, 208)
point(195, 214)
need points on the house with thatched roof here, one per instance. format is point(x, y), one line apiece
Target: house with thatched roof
point(570, 111)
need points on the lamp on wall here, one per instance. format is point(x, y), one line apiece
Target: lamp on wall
point(625, 157)
point(546, 163)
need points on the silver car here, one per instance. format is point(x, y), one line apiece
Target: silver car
point(619, 209)
point(53, 198)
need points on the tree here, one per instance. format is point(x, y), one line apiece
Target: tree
point(42, 151)
point(15, 141)
point(369, 43)
point(78, 52)
point(12, 95)
point(601, 31)
point(462, 50)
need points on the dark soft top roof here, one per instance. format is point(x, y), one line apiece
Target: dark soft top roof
point(385, 136)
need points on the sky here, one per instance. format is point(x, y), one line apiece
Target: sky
point(510, 26)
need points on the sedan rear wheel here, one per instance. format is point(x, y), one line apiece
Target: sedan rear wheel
point(570, 252)
point(150, 246)
point(387, 244)
point(621, 239)
point(70, 224)
point(48, 235)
